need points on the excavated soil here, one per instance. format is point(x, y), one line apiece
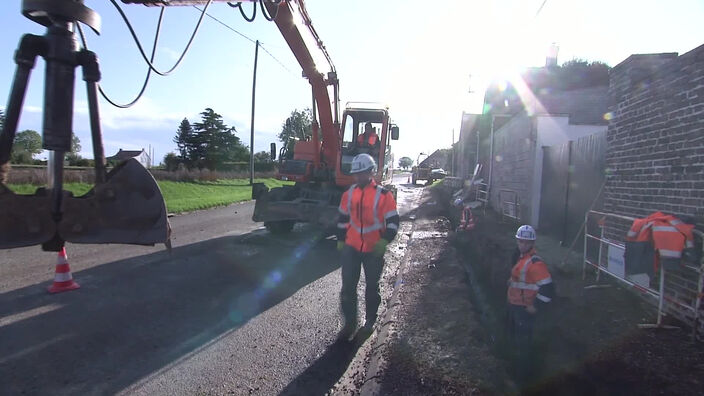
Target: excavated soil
point(445, 334)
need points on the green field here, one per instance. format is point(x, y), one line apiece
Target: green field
point(183, 196)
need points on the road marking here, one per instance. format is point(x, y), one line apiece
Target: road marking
point(10, 319)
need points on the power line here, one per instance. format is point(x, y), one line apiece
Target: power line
point(540, 9)
point(273, 57)
point(246, 38)
point(226, 25)
point(139, 45)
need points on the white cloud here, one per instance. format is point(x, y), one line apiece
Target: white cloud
point(144, 115)
point(169, 53)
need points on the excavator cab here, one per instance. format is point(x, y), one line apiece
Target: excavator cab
point(355, 121)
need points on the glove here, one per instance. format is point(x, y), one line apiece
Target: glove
point(380, 247)
point(340, 245)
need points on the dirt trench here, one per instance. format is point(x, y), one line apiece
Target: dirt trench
point(444, 333)
point(588, 341)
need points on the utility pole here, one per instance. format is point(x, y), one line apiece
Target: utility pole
point(251, 134)
point(452, 154)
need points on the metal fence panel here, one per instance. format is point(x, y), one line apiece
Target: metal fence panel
point(573, 174)
point(587, 175)
point(554, 190)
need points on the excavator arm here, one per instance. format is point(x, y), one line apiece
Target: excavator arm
point(296, 27)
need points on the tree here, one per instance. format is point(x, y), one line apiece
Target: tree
point(184, 139)
point(215, 142)
point(262, 156)
point(73, 158)
point(298, 126)
point(27, 144)
point(171, 161)
point(405, 162)
point(2, 119)
point(580, 73)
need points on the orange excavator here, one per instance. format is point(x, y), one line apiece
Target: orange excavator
point(126, 205)
point(319, 167)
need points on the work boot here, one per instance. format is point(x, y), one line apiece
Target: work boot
point(365, 331)
point(346, 332)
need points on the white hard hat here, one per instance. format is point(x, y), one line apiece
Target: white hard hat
point(362, 163)
point(525, 232)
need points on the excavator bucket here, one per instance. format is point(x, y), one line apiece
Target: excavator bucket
point(25, 220)
point(128, 209)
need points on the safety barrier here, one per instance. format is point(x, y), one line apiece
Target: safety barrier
point(679, 291)
point(510, 206)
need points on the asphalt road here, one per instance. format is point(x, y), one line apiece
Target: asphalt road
point(232, 310)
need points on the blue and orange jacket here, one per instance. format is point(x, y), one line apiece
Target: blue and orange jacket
point(669, 235)
point(530, 281)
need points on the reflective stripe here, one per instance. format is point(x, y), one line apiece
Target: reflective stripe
point(632, 234)
point(392, 226)
point(543, 298)
point(689, 244)
point(544, 281)
point(670, 253)
point(343, 212)
point(349, 198)
point(375, 212)
point(390, 214)
point(524, 269)
point(367, 230)
point(665, 229)
point(62, 277)
point(523, 285)
point(676, 221)
point(342, 225)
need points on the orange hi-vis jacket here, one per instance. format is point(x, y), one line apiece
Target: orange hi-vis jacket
point(366, 215)
point(530, 280)
point(669, 235)
point(369, 139)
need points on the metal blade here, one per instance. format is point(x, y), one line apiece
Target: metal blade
point(128, 208)
point(25, 220)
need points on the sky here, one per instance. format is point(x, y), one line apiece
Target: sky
point(428, 61)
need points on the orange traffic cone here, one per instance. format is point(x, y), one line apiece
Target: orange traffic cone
point(63, 281)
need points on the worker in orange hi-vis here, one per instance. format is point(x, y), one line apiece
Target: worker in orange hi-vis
point(530, 289)
point(368, 221)
point(369, 138)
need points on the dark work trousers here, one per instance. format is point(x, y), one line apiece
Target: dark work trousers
point(522, 345)
point(352, 262)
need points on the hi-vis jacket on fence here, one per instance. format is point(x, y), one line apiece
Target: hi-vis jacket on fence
point(367, 215)
point(666, 234)
point(530, 281)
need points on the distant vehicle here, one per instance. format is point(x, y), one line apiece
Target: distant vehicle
point(438, 173)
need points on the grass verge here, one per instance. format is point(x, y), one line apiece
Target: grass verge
point(183, 196)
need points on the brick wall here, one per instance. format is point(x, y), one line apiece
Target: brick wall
point(514, 158)
point(655, 154)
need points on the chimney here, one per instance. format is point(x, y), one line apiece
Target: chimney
point(551, 59)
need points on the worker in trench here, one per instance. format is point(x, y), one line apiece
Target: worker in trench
point(368, 221)
point(530, 290)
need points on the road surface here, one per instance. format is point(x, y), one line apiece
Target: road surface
point(232, 310)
